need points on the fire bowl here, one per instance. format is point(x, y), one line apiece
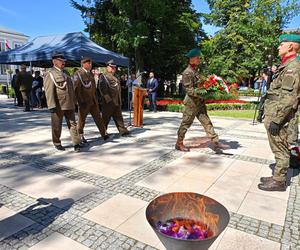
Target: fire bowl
point(189, 206)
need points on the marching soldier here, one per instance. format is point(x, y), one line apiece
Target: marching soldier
point(61, 101)
point(281, 108)
point(194, 105)
point(24, 83)
point(85, 93)
point(110, 96)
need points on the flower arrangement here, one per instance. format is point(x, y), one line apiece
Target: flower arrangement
point(213, 84)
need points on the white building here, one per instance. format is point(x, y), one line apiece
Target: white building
point(13, 39)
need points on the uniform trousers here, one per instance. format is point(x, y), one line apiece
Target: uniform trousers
point(280, 147)
point(112, 111)
point(189, 115)
point(56, 123)
point(95, 112)
point(26, 96)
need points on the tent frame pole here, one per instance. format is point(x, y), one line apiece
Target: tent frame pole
point(128, 98)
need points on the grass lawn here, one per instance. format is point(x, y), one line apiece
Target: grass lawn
point(247, 114)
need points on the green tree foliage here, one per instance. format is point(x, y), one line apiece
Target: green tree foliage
point(153, 34)
point(249, 33)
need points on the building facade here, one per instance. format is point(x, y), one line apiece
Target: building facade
point(9, 39)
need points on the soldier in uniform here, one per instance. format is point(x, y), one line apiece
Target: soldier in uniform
point(85, 93)
point(61, 101)
point(281, 108)
point(110, 98)
point(24, 83)
point(194, 105)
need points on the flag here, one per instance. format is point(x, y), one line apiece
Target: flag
point(7, 45)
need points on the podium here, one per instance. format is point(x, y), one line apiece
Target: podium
point(138, 106)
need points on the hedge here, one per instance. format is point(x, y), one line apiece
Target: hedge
point(215, 106)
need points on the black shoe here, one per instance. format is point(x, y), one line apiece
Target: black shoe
point(266, 179)
point(106, 137)
point(127, 133)
point(77, 148)
point(60, 147)
point(26, 110)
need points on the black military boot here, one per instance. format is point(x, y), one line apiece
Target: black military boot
point(106, 137)
point(82, 139)
point(77, 148)
point(217, 148)
point(272, 186)
point(179, 146)
point(60, 147)
point(266, 179)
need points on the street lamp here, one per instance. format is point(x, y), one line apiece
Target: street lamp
point(90, 20)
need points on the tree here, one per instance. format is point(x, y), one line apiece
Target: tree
point(250, 30)
point(155, 35)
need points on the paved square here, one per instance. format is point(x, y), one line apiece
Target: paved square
point(96, 199)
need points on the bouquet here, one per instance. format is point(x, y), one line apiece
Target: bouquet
point(213, 84)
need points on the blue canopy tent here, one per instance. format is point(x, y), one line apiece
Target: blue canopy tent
point(75, 45)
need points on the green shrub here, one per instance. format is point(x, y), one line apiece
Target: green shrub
point(248, 92)
point(215, 106)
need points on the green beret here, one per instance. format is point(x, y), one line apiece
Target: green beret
point(193, 53)
point(289, 38)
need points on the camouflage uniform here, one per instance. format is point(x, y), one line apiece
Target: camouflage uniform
point(281, 108)
point(194, 106)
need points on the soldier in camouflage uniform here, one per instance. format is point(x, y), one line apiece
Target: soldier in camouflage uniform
point(281, 111)
point(194, 105)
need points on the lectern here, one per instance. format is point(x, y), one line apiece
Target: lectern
point(138, 106)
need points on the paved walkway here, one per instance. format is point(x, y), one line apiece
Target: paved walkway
point(96, 199)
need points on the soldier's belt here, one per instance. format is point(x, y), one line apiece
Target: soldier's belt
point(272, 97)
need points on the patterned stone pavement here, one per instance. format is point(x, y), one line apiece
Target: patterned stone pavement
point(96, 199)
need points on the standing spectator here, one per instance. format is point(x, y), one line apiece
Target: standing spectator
point(60, 97)
point(152, 85)
point(17, 89)
point(110, 91)
point(263, 89)
point(181, 89)
point(37, 86)
point(24, 83)
point(131, 83)
point(173, 87)
point(95, 73)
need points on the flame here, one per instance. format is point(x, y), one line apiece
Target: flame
point(187, 206)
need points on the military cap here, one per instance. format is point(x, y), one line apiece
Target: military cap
point(85, 59)
point(111, 63)
point(292, 37)
point(193, 53)
point(59, 56)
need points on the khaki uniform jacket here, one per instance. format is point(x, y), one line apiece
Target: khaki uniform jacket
point(284, 93)
point(110, 89)
point(190, 78)
point(24, 81)
point(59, 90)
point(85, 88)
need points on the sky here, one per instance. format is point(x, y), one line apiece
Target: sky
point(48, 17)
